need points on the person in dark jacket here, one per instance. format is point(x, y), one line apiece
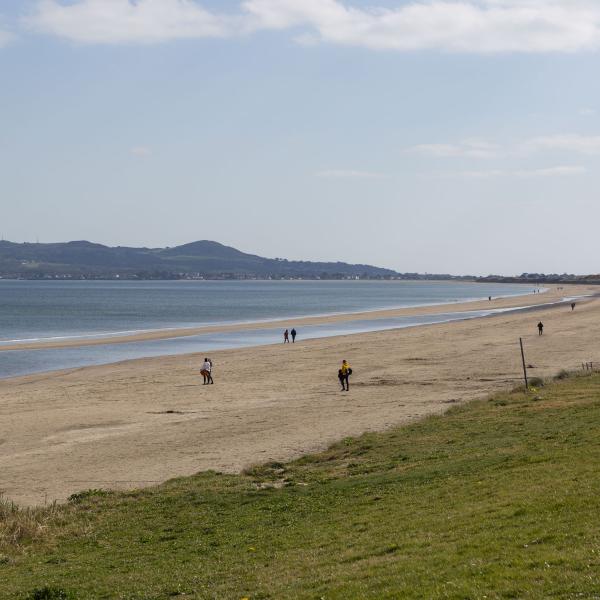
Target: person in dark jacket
point(344, 376)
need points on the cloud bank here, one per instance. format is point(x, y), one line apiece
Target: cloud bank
point(473, 26)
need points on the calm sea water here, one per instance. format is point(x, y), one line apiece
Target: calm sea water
point(46, 310)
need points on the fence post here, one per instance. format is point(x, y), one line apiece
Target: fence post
point(524, 366)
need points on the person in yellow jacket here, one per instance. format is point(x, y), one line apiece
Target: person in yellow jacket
point(344, 376)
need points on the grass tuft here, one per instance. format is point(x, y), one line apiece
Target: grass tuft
point(85, 495)
point(562, 375)
point(19, 526)
point(49, 593)
point(536, 382)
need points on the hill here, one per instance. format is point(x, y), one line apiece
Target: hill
point(202, 259)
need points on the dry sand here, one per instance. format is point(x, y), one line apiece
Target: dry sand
point(141, 422)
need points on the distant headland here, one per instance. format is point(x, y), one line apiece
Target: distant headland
point(197, 260)
point(208, 260)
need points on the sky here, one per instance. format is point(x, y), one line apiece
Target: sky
point(434, 136)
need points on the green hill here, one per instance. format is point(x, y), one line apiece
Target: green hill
point(199, 259)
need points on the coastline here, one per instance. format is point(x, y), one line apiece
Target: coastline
point(140, 422)
point(511, 301)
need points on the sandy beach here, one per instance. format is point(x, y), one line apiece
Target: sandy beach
point(138, 423)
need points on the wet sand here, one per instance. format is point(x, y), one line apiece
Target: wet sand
point(138, 423)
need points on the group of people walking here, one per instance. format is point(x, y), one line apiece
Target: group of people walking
point(343, 373)
point(287, 334)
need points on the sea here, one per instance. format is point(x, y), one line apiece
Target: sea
point(65, 310)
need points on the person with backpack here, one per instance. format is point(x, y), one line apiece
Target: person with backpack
point(344, 375)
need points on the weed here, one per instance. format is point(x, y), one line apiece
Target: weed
point(562, 374)
point(49, 593)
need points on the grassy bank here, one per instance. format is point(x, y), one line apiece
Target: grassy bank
point(497, 499)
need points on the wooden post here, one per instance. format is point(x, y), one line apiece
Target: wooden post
point(524, 366)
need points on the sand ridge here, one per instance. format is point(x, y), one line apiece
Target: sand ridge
point(140, 422)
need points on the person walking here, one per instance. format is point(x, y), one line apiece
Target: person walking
point(540, 327)
point(344, 376)
point(572, 305)
point(206, 371)
point(294, 333)
point(286, 337)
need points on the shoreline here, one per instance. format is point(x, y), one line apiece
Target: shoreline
point(140, 422)
point(52, 360)
point(104, 339)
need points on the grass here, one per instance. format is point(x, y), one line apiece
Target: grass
point(496, 499)
point(20, 527)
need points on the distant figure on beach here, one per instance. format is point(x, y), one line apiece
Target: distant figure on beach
point(572, 305)
point(540, 328)
point(206, 371)
point(490, 298)
point(294, 333)
point(344, 376)
point(286, 337)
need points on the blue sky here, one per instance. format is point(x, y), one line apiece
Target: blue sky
point(422, 136)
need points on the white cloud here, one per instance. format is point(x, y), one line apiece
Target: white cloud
point(484, 174)
point(124, 21)
point(581, 144)
point(348, 174)
point(567, 143)
point(466, 148)
point(141, 151)
point(463, 26)
point(558, 171)
point(480, 26)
